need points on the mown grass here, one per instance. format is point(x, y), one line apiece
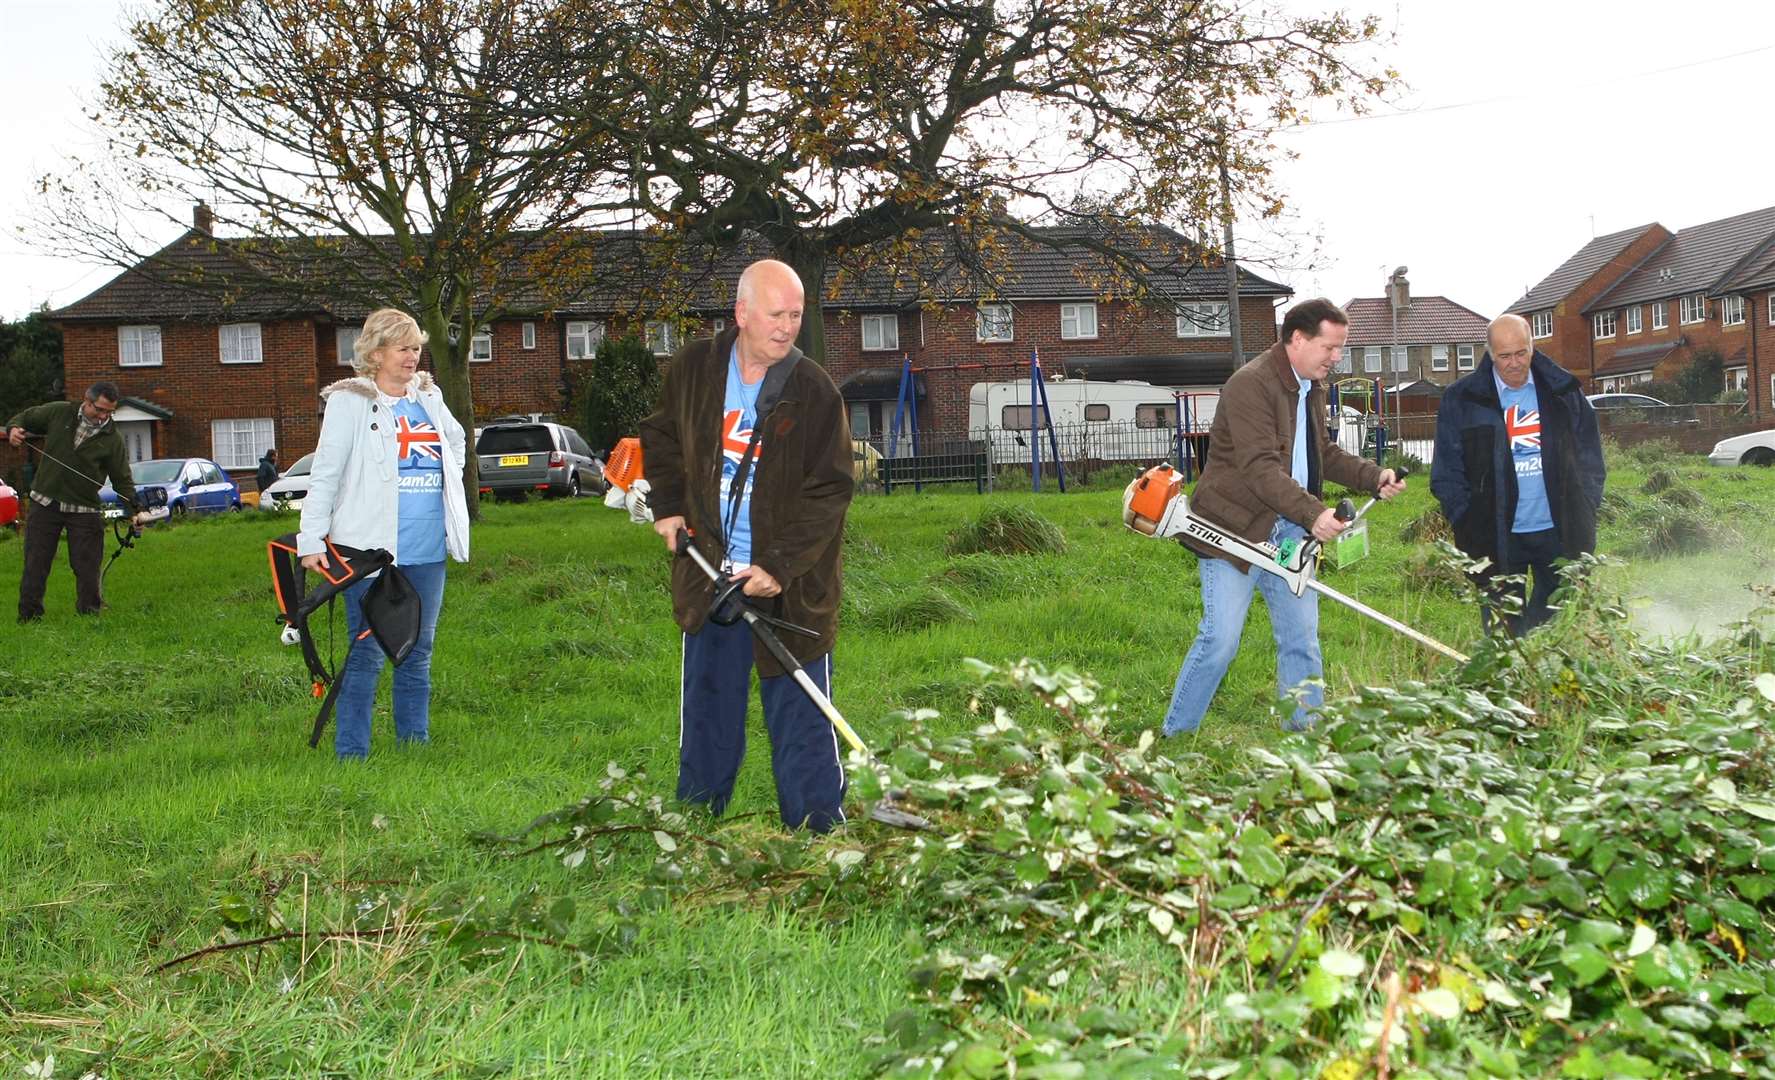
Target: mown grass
point(153, 763)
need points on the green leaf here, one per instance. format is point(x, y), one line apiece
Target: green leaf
point(1736, 912)
point(1587, 962)
point(1262, 866)
point(235, 910)
point(1595, 932)
point(1322, 988)
point(1687, 1017)
point(1235, 896)
point(1564, 889)
point(1760, 1010)
point(1492, 1062)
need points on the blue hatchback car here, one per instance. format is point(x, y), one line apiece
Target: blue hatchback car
point(192, 486)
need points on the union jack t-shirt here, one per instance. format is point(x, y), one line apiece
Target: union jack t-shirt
point(1522, 425)
point(419, 448)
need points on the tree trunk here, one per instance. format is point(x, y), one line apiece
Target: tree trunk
point(809, 262)
point(449, 361)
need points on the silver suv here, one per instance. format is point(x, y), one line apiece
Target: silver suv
point(518, 458)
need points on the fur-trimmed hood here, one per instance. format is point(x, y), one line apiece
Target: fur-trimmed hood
point(365, 387)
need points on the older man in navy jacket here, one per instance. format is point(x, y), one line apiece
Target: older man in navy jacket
point(1518, 468)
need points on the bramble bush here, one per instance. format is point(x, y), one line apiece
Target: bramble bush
point(1558, 860)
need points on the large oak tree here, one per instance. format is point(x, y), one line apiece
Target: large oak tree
point(844, 130)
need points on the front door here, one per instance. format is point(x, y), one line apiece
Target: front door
point(138, 439)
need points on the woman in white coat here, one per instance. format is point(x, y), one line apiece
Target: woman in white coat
point(387, 474)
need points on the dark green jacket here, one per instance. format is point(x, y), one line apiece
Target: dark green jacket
point(799, 499)
point(101, 457)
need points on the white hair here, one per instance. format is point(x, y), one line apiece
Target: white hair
point(389, 326)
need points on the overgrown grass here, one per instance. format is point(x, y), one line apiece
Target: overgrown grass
point(155, 778)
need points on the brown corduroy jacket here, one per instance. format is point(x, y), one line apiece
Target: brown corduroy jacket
point(799, 499)
point(1247, 483)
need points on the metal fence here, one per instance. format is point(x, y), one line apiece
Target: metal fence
point(982, 458)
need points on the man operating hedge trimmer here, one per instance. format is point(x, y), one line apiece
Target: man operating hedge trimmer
point(1268, 458)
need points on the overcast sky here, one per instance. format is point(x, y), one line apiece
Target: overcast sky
point(1528, 127)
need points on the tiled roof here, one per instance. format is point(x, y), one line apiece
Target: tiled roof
point(1430, 320)
point(1181, 369)
point(1052, 263)
point(1758, 272)
point(1576, 270)
point(1697, 259)
point(1638, 357)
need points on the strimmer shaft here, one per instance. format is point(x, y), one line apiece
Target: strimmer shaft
point(1387, 620)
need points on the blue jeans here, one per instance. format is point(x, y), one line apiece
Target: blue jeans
point(363, 669)
point(1226, 597)
point(715, 690)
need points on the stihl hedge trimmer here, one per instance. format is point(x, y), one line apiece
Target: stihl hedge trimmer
point(1155, 505)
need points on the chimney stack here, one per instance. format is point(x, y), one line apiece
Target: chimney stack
point(203, 219)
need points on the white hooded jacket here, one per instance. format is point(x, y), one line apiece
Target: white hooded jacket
point(354, 487)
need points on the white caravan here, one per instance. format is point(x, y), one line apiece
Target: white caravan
point(1125, 420)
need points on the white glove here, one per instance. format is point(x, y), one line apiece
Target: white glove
point(616, 498)
point(639, 512)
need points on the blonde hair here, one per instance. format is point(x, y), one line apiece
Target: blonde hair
point(389, 326)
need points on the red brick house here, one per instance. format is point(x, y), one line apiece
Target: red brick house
point(1555, 306)
point(225, 380)
point(1400, 338)
point(1704, 287)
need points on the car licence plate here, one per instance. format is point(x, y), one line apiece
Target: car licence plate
point(514, 459)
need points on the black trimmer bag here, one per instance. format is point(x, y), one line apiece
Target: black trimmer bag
point(391, 607)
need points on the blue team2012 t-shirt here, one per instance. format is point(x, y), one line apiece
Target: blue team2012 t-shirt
point(739, 415)
point(1522, 424)
point(420, 448)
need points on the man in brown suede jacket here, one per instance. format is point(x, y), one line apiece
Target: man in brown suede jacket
point(1268, 456)
point(750, 451)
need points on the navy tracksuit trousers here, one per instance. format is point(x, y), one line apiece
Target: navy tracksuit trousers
point(714, 691)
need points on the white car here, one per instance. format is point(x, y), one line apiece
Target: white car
point(1756, 448)
point(288, 491)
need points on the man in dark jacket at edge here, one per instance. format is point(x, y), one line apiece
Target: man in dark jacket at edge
point(267, 471)
point(748, 404)
point(1268, 456)
point(80, 447)
point(1518, 469)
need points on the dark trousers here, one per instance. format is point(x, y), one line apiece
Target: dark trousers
point(715, 689)
point(1533, 555)
point(86, 549)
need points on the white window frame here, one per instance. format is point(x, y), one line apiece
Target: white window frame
point(994, 322)
point(1401, 358)
point(1439, 358)
point(1732, 310)
point(1694, 309)
point(718, 325)
point(480, 346)
point(226, 441)
point(662, 337)
point(527, 336)
point(886, 329)
point(1602, 325)
point(1347, 363)
point(1737, 378)
point(138, 346)
point(1540, 324)
point(1660, 315)
point(240, 343)
point(345, 344)
point(1371, 359)
point(1464, 357)
point(1772, 309)
point(583, 338)
point(1204, 319)
point(1635, 319)
point(1078, 315)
